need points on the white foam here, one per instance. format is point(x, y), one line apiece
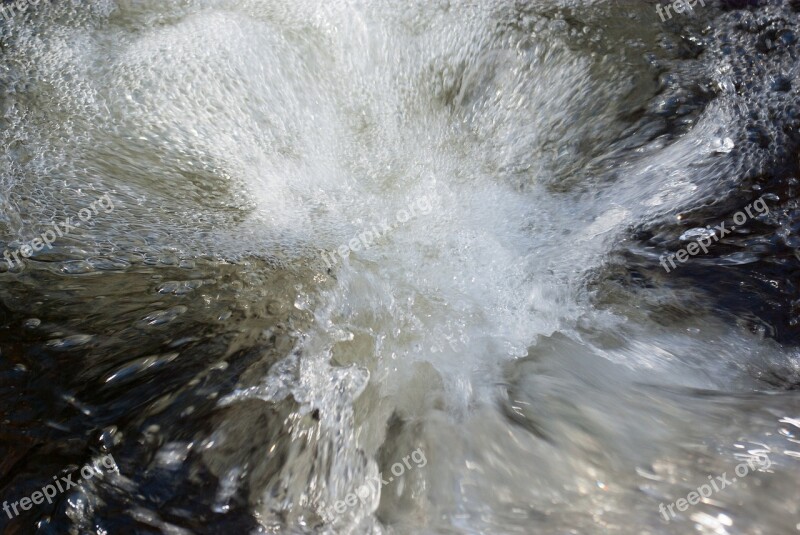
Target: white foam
point(287, 128)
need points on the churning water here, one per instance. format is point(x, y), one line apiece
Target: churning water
point(346, 231)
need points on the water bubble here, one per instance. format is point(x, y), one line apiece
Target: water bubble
point(32, 323)
point(162, 317)
point(697, 234)
point(70, 342)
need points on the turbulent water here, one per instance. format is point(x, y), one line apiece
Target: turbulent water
point(345, 231)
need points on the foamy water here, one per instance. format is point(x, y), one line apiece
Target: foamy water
point(486, 331)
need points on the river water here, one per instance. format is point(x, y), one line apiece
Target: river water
point(346, 231)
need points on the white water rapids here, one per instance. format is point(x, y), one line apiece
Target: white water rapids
point(488, 330)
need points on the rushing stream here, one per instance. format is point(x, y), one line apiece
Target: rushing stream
point(412, 267)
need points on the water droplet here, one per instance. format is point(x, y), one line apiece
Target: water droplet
point(722, 146)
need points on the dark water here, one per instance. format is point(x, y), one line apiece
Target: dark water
point(342, 237)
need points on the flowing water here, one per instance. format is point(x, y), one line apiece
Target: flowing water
point(346, 231)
